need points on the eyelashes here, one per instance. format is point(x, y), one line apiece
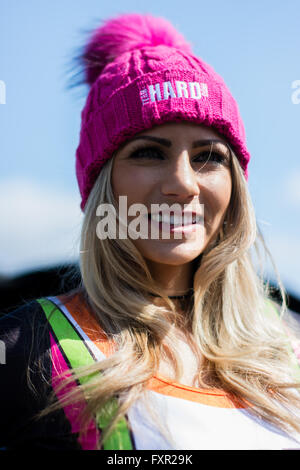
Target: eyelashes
point(146, 152)
point(154, 153)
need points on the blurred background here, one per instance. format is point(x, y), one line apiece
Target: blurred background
point(254, 45)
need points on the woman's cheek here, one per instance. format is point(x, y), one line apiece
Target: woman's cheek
point(216, 203)
point(138, 186)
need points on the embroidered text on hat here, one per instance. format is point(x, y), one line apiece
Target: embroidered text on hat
point(181, 89)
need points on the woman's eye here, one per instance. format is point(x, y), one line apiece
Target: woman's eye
point(210, 157)
point(146, 153)
point(154, 153)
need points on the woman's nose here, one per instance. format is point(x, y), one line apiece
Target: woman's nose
point(180, 178)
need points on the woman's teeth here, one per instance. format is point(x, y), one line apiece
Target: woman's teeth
point(175, 219)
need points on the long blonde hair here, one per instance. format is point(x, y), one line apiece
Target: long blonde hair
point(244, 352)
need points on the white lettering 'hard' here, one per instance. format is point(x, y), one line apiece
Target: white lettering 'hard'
point(204, 89)
point(195, 90)
point(155, 92)
point(168, 91)
point(182, 89)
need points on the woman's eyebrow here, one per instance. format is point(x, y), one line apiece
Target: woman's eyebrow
point(168, 143)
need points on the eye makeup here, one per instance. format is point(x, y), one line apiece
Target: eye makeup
point(213, 153)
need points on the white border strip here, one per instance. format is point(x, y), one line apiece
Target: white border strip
point(93, 348)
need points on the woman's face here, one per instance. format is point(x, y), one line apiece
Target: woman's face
point(176, 163)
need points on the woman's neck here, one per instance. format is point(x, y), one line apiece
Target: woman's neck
point(174, 280)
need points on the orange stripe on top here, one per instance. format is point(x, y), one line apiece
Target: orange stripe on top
point(88, 322)
point(211, 397)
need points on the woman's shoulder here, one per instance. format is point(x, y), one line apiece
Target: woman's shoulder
point(24, 341)
point(29, 319)
point(20, 327)
point(24, 367)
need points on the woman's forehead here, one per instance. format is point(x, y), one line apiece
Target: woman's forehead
point(175, 132)
point(184, 127)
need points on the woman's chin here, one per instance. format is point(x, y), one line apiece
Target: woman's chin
point(171, 253)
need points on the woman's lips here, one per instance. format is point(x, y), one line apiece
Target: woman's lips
point(176, 228)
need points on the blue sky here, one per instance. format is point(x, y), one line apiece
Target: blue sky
point(253, 44)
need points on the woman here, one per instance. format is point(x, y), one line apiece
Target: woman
point(172, 340)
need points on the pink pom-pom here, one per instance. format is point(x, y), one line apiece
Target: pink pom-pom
point(124, 34)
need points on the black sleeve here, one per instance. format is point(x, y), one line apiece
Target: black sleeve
point(25, 384)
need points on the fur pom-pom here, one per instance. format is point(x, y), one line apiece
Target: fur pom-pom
point(124, 34)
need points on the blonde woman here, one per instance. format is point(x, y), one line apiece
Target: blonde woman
point(171, 340)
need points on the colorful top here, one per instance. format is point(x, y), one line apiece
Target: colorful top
point(63, 334)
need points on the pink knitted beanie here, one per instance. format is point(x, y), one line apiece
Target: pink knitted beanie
point(142, 73)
